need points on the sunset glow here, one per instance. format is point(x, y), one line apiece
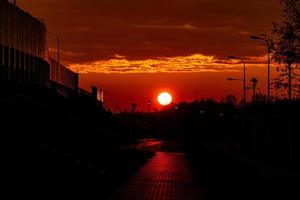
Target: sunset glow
point(151, 99)
point(195, 63)
point(182, 45)
point(192, 63)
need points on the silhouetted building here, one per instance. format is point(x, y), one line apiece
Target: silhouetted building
point(98, 94)
point(24, 57)
point(23, 47)
point(24, 52)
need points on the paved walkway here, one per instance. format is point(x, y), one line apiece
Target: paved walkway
point(167, 176)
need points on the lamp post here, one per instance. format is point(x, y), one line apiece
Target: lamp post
point(268, 42)
point(244, 71)
point(254, 84)
point(149, 106)
point(58, 44)
point(234, 79)
point(58, 51)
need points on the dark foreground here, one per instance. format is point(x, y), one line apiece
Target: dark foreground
point(207, 174)
point(51, 152)
point(235, 177)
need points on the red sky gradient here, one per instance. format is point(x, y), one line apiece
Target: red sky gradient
point(128, 88)
point(133, 48)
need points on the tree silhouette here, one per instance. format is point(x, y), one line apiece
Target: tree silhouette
point(134, 107)
point(286, 47)
point(230, 99)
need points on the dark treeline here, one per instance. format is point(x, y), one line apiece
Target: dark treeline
point(283, 43)
point(66, 144)
point(266, 131)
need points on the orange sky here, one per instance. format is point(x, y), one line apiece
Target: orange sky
point(128, 88)
point(140, 46)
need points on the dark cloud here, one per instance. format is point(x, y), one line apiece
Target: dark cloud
point(92, 30)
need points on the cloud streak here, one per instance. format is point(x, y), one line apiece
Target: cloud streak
point(193, 63)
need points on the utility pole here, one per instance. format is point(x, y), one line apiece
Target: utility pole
point(244, 72)
point(244, 75)
point(58, 53)
point(269, 75)
point(149, 106)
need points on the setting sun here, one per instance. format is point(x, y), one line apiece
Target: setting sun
point(164, 98)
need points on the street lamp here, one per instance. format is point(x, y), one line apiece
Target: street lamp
point(268, 42)
point(149, 105)
point(244, 80)
point(58, 44)
point(234, 79)
point(254, 84)
point(58, 50)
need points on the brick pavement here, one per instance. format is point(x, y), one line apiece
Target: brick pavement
point(167, 176)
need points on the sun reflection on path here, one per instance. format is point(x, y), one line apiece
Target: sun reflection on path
point(167, 176)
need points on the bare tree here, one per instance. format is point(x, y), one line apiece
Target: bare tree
point(286, 47)
point(230, 99)
point(134, 107)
